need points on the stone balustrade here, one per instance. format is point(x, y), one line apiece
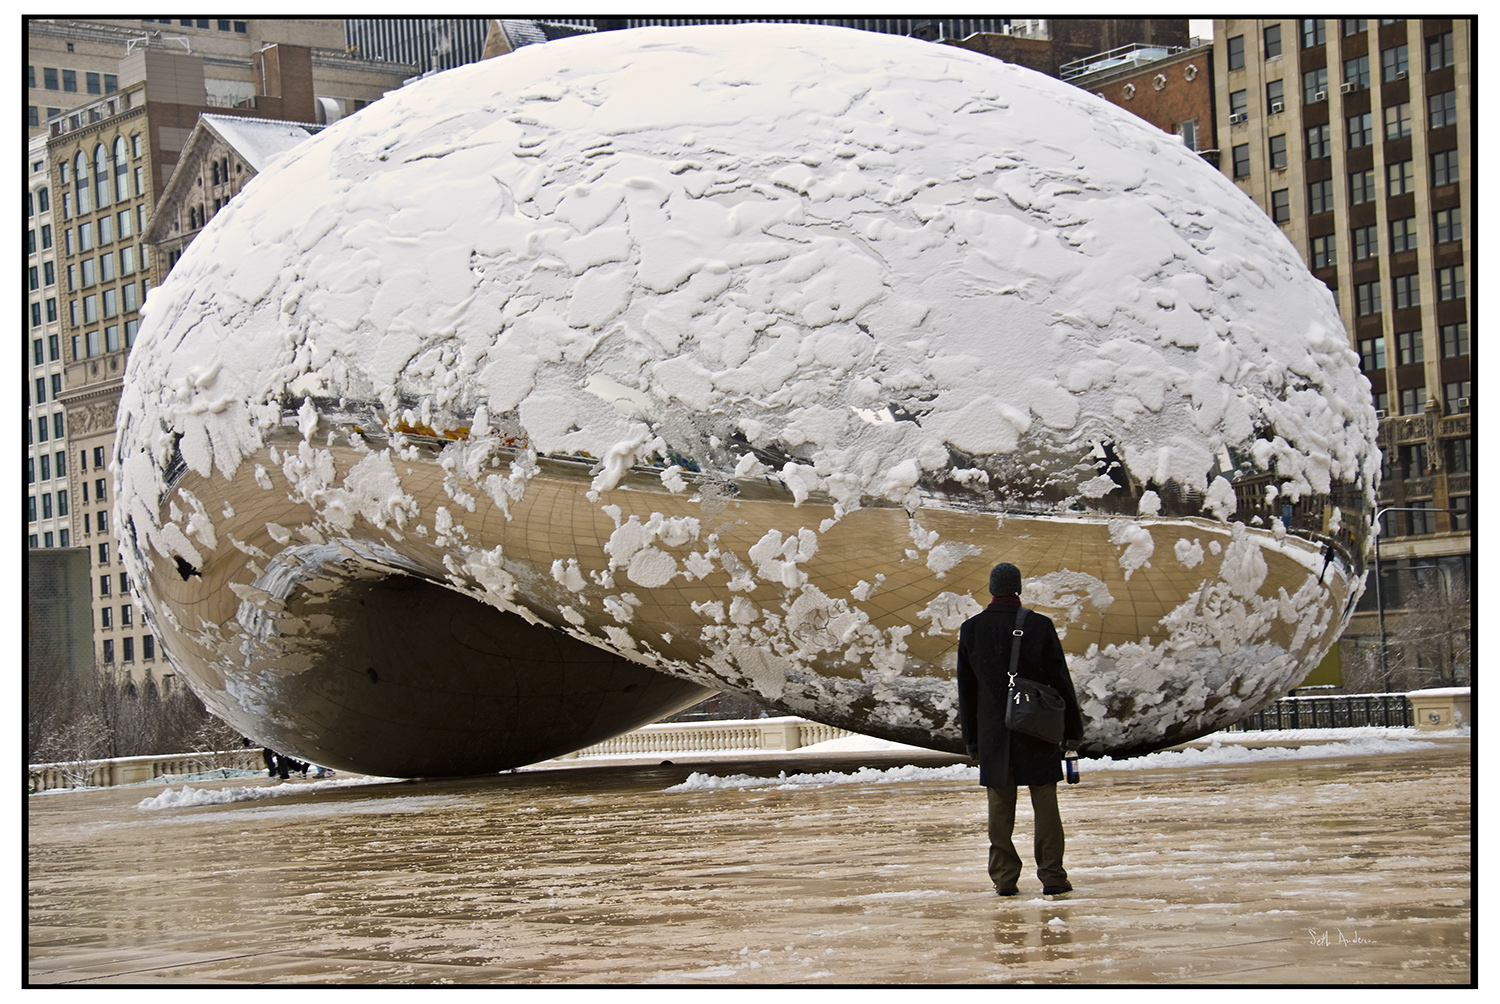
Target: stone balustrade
point(134, 769)
point(785, 733)
point(677, 737)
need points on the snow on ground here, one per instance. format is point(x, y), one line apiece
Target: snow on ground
point(190, 796)
point(1221, 751)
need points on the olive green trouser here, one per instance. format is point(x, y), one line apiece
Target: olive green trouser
point(1047, 840)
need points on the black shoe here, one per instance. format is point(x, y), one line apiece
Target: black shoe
point(1010, 891)
point(1057, 890)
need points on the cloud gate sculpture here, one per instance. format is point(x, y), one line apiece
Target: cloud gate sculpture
point(549, 395)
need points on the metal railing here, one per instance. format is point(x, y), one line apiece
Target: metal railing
point(1339, 711)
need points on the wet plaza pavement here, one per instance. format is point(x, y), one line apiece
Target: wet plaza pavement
point(1341, 871)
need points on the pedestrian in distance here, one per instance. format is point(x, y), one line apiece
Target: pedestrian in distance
point(1007, 757)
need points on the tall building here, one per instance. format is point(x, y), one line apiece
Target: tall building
point(1356, 136)
point(97, 165)
point(49, 520)
point(429, 43)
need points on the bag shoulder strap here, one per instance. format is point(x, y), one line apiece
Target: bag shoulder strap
point(1015, 642)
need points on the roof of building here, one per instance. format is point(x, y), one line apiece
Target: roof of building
point(526, 32)
point(257, 141)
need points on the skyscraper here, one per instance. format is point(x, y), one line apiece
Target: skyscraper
point(1356, 136)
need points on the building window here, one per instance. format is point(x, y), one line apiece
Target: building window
point(127, 649)
point(1393, 64)
point(1440, 51)
point(1404, 234)
point(106, 617)
point(1454, 339)
point(1362, 187)
point(1189, 132)
point(1455, 402)
point(1357, 72)
point(1399, 178)
point(1355, 26)
point(1318, 144)
point(1398, 120)
point(1239, 102)
point(1315, 85)
point(1361, 131)
point(1442, 110)
point(62, 497)
point(148, 642)
point(1273, 41)
point(1451, 283)
point(1366, 242)
point(1366, 299)
point(1281, 205)
point(1277, 150)
point(1458, 454)
point(1235, 48)
point(70, 81)
point(109, 650)
point(98, 457)
point(1242, 160)
point(1408, 347)
point(1411, 460)
point(1312, 32)
point(1408, 291)
point(105, 582)
point(1445, 167)
point(101, 521)
point(1320, 200)
point(1413, 400)
point(47, 506)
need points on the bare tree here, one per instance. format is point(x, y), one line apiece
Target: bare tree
point(1431, 647)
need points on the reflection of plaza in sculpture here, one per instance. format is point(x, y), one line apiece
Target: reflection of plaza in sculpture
point(542, 398)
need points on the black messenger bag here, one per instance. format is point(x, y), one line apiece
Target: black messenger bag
point(1033, 709)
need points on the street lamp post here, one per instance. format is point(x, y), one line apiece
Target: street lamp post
point(1385, 682)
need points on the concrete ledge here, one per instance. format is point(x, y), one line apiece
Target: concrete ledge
point(1441, 708)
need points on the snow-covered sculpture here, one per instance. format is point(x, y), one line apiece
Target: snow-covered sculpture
point(548, 394)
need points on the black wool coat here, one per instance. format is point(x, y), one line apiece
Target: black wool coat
point(984, 643)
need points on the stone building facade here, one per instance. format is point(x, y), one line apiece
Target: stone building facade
point(1356, 136)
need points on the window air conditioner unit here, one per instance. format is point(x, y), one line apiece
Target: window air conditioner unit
point(1400, 74)
point(1379, 413)
point(1237, 118)
point(1463, 404)
point(1276, 106)
point(1320, 96)
point(1346, 88)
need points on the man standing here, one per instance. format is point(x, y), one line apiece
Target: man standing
point(1007, 759)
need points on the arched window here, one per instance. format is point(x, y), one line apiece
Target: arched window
point(216, 172)
point(101, 175)
point(122, 170)
point(81, 182)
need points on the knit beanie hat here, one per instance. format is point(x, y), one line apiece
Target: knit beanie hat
point(1005, 580)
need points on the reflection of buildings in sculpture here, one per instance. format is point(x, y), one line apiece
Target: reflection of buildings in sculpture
point(372, 656)
point(1355, 136)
